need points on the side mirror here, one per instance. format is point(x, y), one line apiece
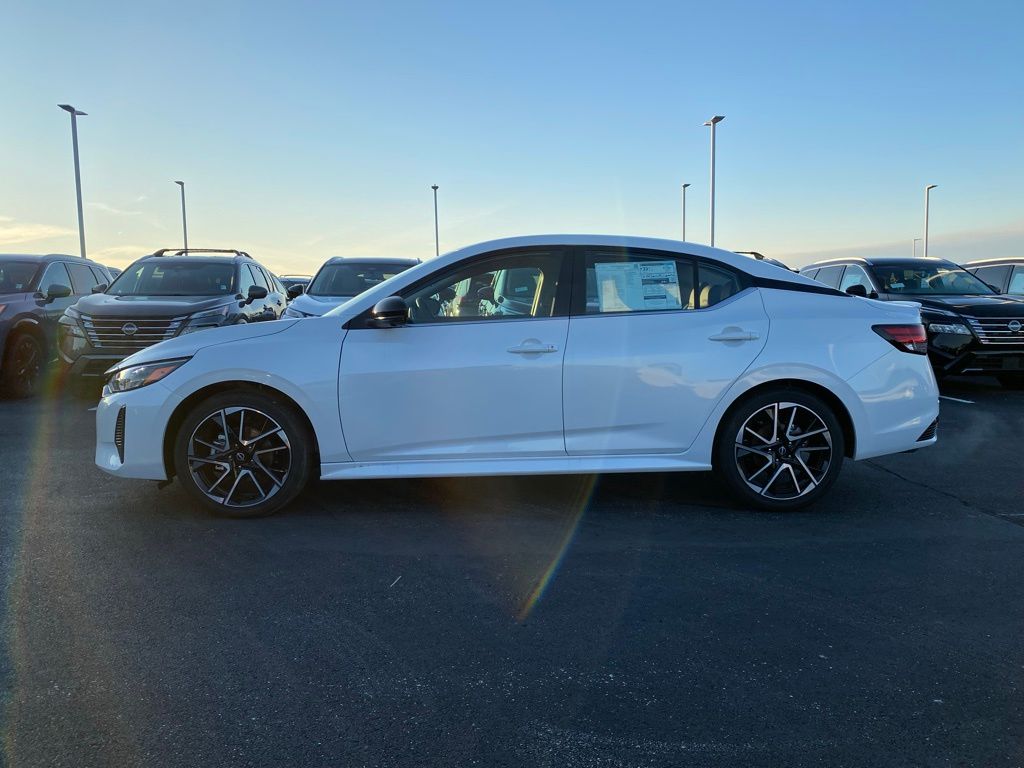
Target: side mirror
point(858, 290)
point(56, 291)
point(255, 292)
point(99, 288)
point(295, 291)
point(391, 312)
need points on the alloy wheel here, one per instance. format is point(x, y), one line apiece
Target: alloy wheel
point(239, 457)
point(783, 450)
point(26, 363)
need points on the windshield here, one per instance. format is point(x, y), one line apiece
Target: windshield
point(16, 276)
point(928, 279)
point(166, 277)
point(352, 279)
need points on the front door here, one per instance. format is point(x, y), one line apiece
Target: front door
point(469, 376)
point(654, 342)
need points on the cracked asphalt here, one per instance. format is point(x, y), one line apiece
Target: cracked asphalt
point(630, 620)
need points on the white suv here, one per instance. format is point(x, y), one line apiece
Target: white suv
point(623, 354)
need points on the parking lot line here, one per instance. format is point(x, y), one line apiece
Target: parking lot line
point(956, 399)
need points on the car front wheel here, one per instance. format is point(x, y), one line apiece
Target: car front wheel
point(243, 454)
point(23, 366)
point(780, 449)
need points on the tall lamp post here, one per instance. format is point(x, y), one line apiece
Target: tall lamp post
point(713, 122)
point(184, 221)
point(684, 210)
point(927, 192)
point(75, 114)
point(437, 240)
point(913, 249)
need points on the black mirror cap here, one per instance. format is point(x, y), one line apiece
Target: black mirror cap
point(257, 292)
point(100, 288)
point(296, 290)
point(391, 312)
point(56, 291)
point(858, 290)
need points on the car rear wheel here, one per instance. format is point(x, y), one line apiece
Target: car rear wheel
point(24, 364)
point(780, 449)
point(243, 454)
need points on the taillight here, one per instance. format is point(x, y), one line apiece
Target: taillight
point(906, 338)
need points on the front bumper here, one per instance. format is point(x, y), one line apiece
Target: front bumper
point(977, 359)
point(147, 411)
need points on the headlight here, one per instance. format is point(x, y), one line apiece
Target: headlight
point(211, 318)
point(292, 312)
point(135, 376)
point(957, 328)
point(73, 313)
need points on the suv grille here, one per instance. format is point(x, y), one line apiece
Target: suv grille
point(996, 330)
point(129, 333)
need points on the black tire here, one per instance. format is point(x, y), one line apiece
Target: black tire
point(790, 465)
point(238, 465)
point(24, 366)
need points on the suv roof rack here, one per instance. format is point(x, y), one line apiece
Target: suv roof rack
point(186, 251)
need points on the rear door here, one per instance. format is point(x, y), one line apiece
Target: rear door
point(655, 340)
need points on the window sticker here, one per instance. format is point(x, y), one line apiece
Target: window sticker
point(637, 286)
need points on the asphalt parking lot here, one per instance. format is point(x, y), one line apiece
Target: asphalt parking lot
point(637, 620)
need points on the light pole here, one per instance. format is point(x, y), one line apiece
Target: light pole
point(927, 192)
point(684, 210)
point(914, 246)
point(184, 222)
point(437, 241)
point(713, 122)
point(78, 174)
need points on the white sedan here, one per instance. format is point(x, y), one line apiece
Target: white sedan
point(531, 355)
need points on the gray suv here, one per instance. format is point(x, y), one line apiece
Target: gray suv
point(34, 293)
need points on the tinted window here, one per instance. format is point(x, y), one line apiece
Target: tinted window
point(714, 285)
point(16, 276)
point(55, 274)
point(994, 276)
point(167, 277)
point(917, 279)
point(1017, 282)
point(342, 279)
point(811, 273)
point(622, 280)
point(855, 275)
point(259, 277)
point(830, 275)
point(513, 285)
point(83, 277)
point(100, 277)
point(245, 279)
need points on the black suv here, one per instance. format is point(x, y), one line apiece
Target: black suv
point(167, 294)
point(34, 292)
point(971, 328)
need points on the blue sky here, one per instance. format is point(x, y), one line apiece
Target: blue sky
point(306, 130)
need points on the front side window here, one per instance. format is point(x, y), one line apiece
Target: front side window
point(16, 276)
point(340, 279)
point(929, 279)
point(504, 287)
point(167, 277)
point(55, 274)
point(619, 280)
point(855, 275)
point(1016, 282)
point(259, 277)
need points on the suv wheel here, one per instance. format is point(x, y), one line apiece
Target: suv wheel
point(780, 449)
point(23, 367)
point(243, 454)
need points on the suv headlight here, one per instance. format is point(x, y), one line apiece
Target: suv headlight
point(957, 328)
point(292, 312)
point(211, 318)
point(135, 376)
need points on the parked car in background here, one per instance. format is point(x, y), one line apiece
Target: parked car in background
point(1004, 275)
point(288, 281)
point(636, 355)
point(34, 292)
point(341, 278)
point(971, 328)
point(169, 293)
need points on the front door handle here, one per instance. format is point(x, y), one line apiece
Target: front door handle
point(532, 348)
point(735, 334)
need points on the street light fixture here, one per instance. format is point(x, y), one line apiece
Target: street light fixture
point(184, 224)
point(75, 114)
point(684, 210)
point(713, 122)
point(437, 241)
point(927, 192)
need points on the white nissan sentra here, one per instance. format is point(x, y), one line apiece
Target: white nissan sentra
point(531, 355)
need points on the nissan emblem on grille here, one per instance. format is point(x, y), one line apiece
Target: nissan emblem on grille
point(129, 329)
point(1014, 325)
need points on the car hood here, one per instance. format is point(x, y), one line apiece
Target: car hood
point(105, 305)
point(318, 305)
point(190, 343)
point(974, 306)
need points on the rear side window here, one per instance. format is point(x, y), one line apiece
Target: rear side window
point(100, 277)
point(830, 276)
point(1017, 282)
point(623, 280)
point(811, 273)
point(994, 276)
point(715, 285)
point(83, 277)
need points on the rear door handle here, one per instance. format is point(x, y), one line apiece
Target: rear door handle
point(533, 349)
point(735, 334)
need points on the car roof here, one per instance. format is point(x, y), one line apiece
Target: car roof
point(873, 261)
point(995, 262)
point(45, 257)
point(373, 260)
